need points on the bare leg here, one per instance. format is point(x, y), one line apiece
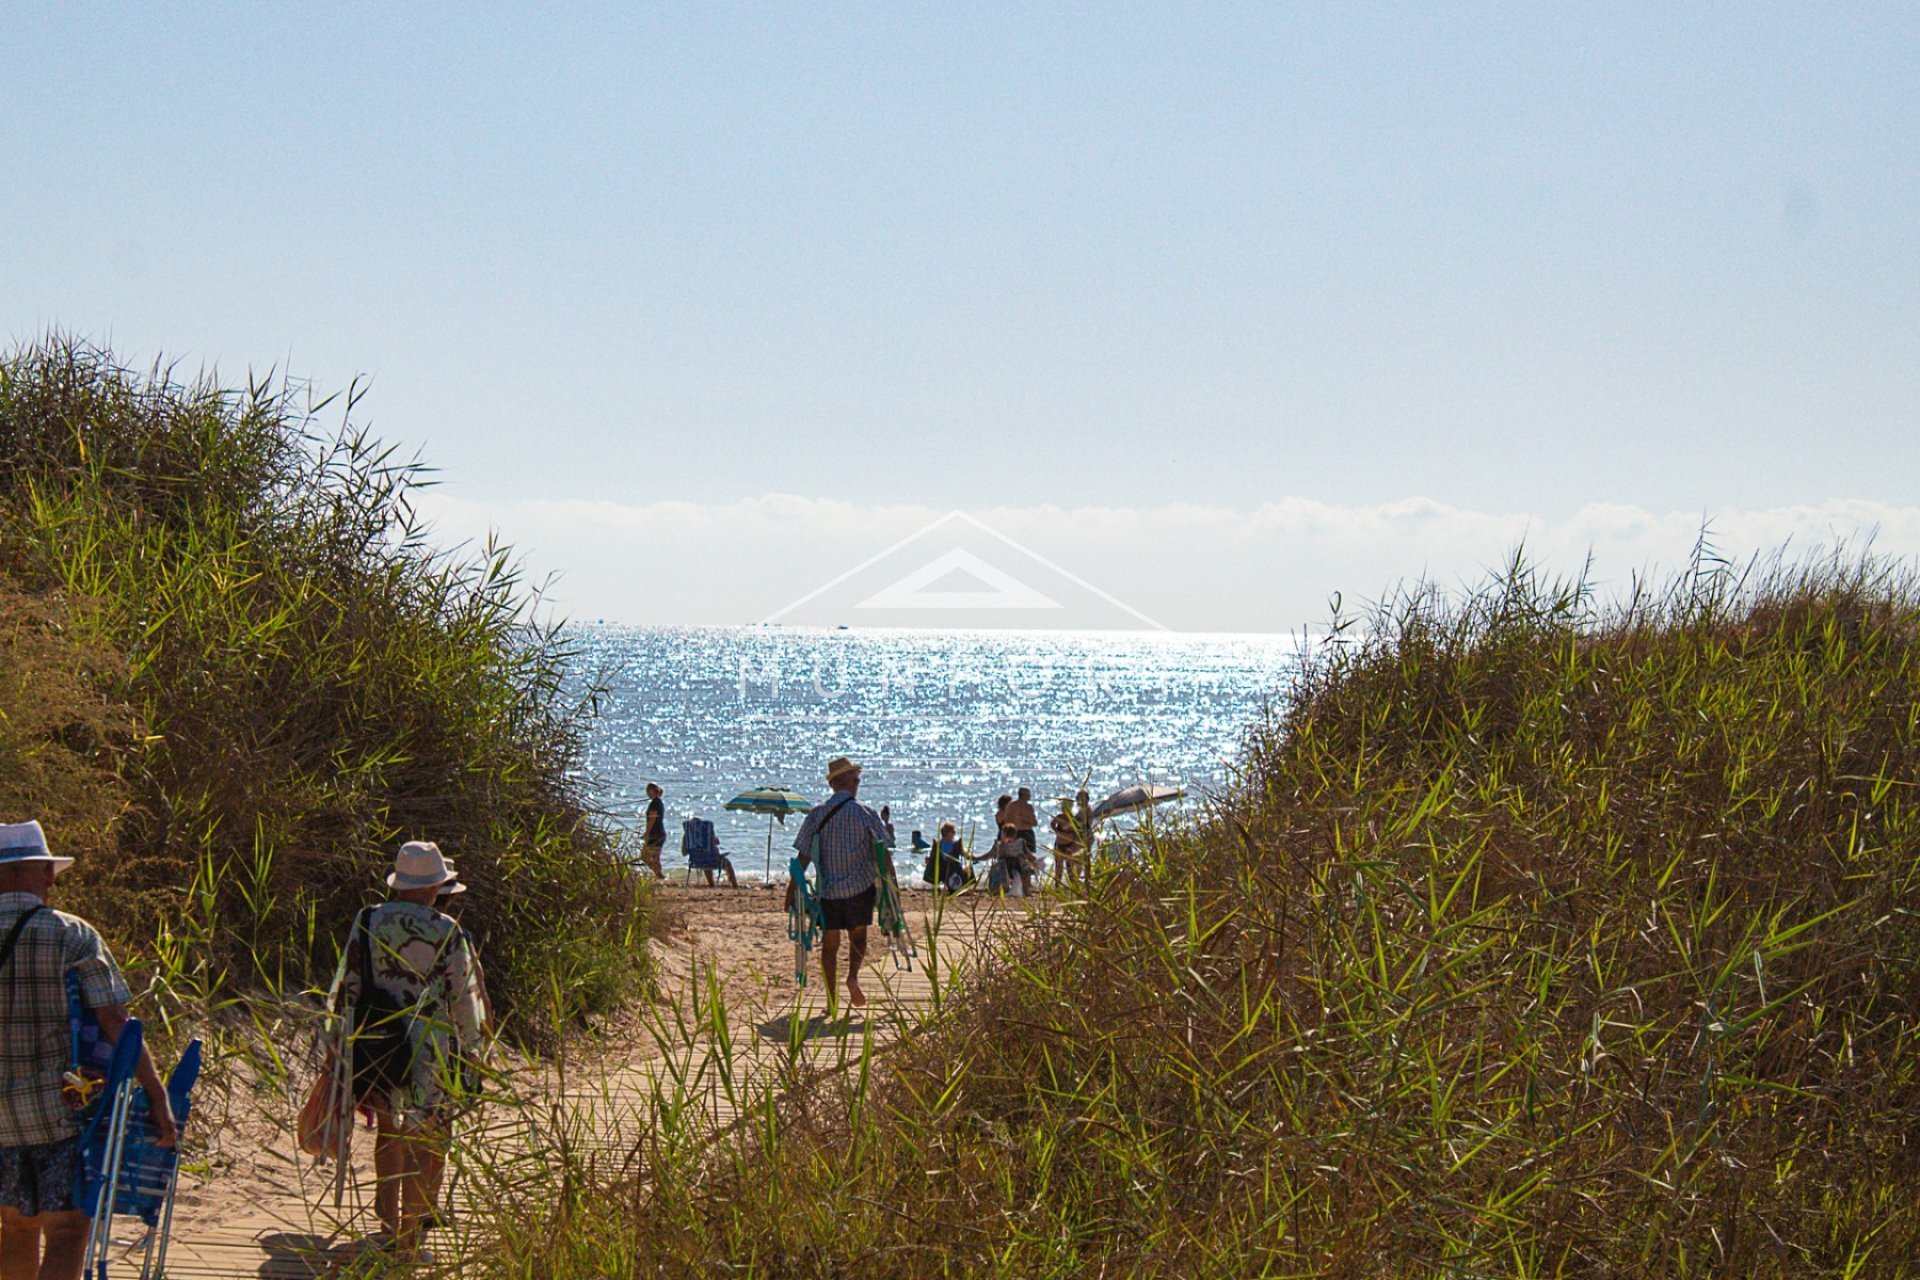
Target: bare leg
point(66, 1248)
point(425, 1162)
point(709, 871)
point(829, 956)
point(19, 1246)
point(856, 955)
point(732, 879)
point(390, 1168)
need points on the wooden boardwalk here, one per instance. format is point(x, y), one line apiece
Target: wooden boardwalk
point(257, 1208)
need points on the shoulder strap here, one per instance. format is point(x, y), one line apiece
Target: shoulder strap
point(13, 935)
point(833, 813)
point(366, 953)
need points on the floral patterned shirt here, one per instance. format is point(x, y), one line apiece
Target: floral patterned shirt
point(424, 961)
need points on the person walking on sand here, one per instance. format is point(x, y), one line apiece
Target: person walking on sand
point(653, 836)
point(43, 1230)
point(423, 963)
point(845, 830)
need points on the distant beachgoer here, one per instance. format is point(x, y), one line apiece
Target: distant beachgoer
point(845, 830)
point(886, 820)
point(39, 1138)
point(1009, 855)
point(423, 964)
point(1000, 811)
point(1083, 824)
point(1020, 816)
point(653, 837)
point(700, 845)
point(951, 871)
point(1066, 844)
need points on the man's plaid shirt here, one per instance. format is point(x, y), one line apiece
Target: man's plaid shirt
point(846, 846)
point(35, 1047)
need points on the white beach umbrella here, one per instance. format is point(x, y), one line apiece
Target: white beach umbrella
point(1134, 799)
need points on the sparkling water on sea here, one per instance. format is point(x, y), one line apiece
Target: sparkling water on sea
point(942, 721)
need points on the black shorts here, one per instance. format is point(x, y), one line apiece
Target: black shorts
point(39, 1179)
point(848, 913)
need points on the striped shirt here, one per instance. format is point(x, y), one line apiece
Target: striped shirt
point(36, 1047)
point(846, 845)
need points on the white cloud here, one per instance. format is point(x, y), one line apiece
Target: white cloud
point(1272, 568)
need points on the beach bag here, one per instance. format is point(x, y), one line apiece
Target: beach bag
point(89, 1052)
point(323, 1121)
point(381, 1049)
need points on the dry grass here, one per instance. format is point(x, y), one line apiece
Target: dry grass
point(1536, 939)
point(247, 677)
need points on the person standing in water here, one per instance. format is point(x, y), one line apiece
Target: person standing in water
point(845, 831)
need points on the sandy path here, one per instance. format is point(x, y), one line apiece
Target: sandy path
point(250, 1206)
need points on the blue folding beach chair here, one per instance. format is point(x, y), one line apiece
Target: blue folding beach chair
point(701, 845)
point(122, 1171)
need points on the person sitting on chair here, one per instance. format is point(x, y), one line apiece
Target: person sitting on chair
point(700, 843)
point(951, 869)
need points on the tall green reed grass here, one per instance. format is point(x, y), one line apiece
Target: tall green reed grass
point(1536, 937)
point(271, 678)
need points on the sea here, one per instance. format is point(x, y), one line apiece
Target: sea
point(942, 722)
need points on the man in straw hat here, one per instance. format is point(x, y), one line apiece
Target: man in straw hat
point(423, 962)
point(844, 830)
point(39, 1137)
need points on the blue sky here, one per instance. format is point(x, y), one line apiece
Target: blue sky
point(1522, 264)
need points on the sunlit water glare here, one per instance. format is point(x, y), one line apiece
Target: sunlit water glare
point(942, 721)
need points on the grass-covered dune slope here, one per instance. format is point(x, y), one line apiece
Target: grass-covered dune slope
point(1537, 940)
point(233, 677)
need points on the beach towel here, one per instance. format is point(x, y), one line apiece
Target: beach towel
point(700, 845)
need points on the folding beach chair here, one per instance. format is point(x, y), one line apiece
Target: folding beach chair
point(122, 1170)
point(805, 925)
point(701, 845)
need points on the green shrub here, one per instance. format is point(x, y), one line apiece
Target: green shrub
point(311, 682)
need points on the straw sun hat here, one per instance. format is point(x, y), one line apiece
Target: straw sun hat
point(26, 842)
point(839, 766)
point(419, 865)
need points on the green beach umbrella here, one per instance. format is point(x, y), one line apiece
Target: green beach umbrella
point(775, 802)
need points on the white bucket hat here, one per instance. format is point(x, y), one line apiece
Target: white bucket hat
point(26, 842)
point(419, 865)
